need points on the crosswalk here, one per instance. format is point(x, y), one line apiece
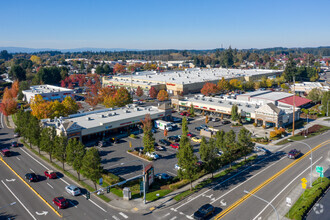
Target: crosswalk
point(122, 216)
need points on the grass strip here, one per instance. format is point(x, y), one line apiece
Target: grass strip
point(308, 199)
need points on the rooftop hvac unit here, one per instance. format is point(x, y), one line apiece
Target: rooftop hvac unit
point(101, 123)
point(113, 113)
point(220, 101)
point(230, 103)
point(88, 118)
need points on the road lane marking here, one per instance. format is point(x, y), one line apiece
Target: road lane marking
point(223, 182)
point(286, 187)
point(19, 200)
point(173, 174)
point(190, 217)
point(43, 165)
point(96, 204)
point(18, 158)
point(173, 218)
point(242, 199)
point(32, 171)
point(246, 180)
point(50, 186)
point(47, 203)
point(73, 204)
point(122, 214)
point(167, 214)
point(115, 217)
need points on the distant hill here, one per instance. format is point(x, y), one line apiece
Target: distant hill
point(83, 49)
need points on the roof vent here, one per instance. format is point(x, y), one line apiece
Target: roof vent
point(88, 118)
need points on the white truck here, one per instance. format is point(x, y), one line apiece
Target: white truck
point(163, 125)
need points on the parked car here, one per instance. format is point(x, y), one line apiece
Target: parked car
point(31, 177)
point(16, 135)
point(159, 148)
point(204, 212)
point(219, 153)
point(196, 139)
point(190, 134)
point(163, 176)
point(5, 152)
point(175, 145)
point(114, 140)
point(225, 122)
point(174, 138)
point(153, 130)
point(152, 155)
point(50, 174)
point(164, 142)
point(14, 144)
point(177, 167)
point(203, 126)
point(200, 164)
point(139, 149)
point(176, 120)
point(215, 119)
point(198, 128)
point(174, 125)
point(60, 202)
point(72, 190)
point(293, 154)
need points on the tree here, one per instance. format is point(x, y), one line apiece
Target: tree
point(99, 70)
point(33, 131)
point(8, 103)
point(91, 99)
point(206, 119)
point(234, 113)
point(290, 69)
point(235, 84)
point(35, 59)
point(315, 95)
point(148, 139)
point(269, 83)
point(223, 85)
point(208, 152)
point(14, 89)
point(75, 152)
point(5, 55)
point(70, 105)
point(139, 91)
point(219, 140)
point(17, 72)
point(47, 141)
point(325, 102)
point(153, 92)
point(228, 58)
point(162, 95)
point(230, 145)
point(244, 141)
point(209, 88)
point(192, 111)
point(91, 165)
point(122, 97)
point(118, 68)
point(60, 149)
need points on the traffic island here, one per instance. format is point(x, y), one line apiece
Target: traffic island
point(308, 199)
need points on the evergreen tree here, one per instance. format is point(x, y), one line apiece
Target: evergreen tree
point(60, 149)
point(91, 166)
point(234, 113)
point(219, 140)
point(290, 69)
point(47, 141)
point(148, 139)
point(230, 146)
point(75, 152)
point(244, 142)
point(192, 111)
point(208, 152)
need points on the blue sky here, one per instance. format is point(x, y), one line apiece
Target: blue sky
point(164, 24)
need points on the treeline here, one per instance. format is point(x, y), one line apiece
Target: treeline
point(72, 151)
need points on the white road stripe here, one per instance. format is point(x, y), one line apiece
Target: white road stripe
point(19, 200)
point(122, 214)
point(298, 176)
point(115, 217)
point(173, 218)
point(181, 213)
point(189, 217)
point(18, 158)
point(171, 173)
point(32, 171)
point(224, 182)
point(73, 204)
point(50, 186)
point(43, 165)
point(96, 205)
point(167, 214)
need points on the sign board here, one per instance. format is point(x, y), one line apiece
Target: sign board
point(101, 181)
point(304, 180)
point(288, 201)
point(319, 169)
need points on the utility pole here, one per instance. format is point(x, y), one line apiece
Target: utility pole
point(294, 104)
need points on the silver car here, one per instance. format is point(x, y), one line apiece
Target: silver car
point(73, 190)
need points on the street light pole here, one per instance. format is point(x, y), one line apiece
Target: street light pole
point(247, 192)
point(310, 184)
point(144, 178)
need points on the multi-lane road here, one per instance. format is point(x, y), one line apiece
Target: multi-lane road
point(272, 177)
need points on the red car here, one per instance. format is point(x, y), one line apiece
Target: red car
point(175, 146)
point(190, 134)
point(50, 174)
point(60, 202)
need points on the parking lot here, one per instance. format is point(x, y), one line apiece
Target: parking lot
point(116, 160)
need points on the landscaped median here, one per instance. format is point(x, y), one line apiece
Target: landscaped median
point(216, 178)
point(308, 198)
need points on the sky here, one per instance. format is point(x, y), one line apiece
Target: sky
point(164, 24)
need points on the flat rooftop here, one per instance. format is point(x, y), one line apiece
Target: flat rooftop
point(194, 75)
point(255, 93)
point(47, 89)
point(274, 96)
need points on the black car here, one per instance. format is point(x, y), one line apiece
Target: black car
point(204, 212)
point(164, 142)
point(139, 149)
point(31, 177)
point(174, 138)
point(198, 128)
point(225, 122)
point(163, 176)
point(159, 148)
point(14, 144)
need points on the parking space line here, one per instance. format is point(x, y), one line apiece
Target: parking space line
point(32, 171)
point(50, 186)
point(173, 218)
point(122, 214)
point(115, 217)
point(171, 173)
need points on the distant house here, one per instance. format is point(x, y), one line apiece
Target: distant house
point(48, 93)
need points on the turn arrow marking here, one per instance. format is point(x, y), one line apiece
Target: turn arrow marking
point(11, 180)
point(42, 213)
point(223, 203)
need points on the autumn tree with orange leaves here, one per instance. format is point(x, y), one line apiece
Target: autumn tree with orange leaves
point(139, 91)
point(209, 88)
point(119, 68)
point(9, 104)
point(162, 95)
point(14, 89)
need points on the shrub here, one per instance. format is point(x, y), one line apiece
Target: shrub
point(255, 124)
point(264, 126)
point(273, 134)
point(179, 184)
point(132, 135)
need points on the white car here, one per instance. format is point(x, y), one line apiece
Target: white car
point(174, 125)
point(153, 155)
point(73, 190)
point(219, 153)
point(177, 167)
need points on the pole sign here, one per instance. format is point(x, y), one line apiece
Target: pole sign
point(101, 181)
point(319, 169)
